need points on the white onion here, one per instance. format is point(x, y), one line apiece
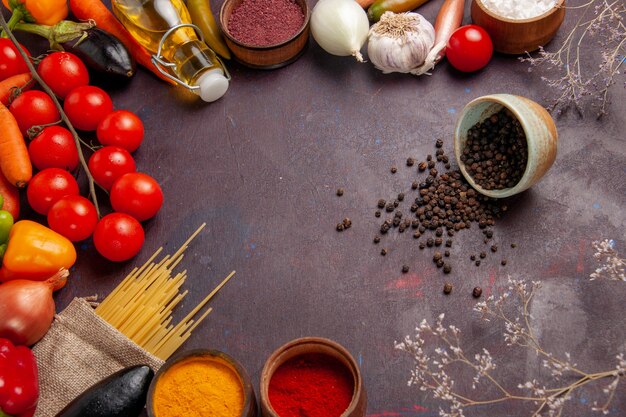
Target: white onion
point(340, 27)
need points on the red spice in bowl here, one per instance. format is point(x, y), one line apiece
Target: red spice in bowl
point(313, 385)
point(265, 22)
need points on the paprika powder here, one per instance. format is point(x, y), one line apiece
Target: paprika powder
point(312, 385)
point(19, 386)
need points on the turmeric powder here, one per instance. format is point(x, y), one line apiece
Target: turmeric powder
point(199, 387)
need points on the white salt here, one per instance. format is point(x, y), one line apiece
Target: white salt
point(519, 9)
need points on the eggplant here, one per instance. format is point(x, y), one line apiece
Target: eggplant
point(103, 52)
point(122, 394)
point(98, 49)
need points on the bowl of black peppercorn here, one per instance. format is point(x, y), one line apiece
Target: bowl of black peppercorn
point(504, 144)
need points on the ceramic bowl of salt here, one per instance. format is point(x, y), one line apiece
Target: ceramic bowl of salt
point(520, 26)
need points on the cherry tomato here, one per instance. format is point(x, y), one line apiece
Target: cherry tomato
point(136, 194)
point(469, 48)
point(63, 72)
point(86, 106)
point(11, 62)
point(54, 147)
point(121, 128)
point(33, 108)
point(48, 186)
point(118, 237)
point(74, 217)
point(109, 163)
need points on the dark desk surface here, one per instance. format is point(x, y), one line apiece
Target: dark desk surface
point(261, 167)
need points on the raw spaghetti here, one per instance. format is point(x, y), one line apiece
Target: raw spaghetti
point(141, 306)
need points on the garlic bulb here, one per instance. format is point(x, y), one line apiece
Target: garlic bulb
point(400, 42)
point(340, 27)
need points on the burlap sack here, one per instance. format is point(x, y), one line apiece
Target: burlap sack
point(79, 350)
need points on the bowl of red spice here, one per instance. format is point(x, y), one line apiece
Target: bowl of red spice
point(312, 376)
point(265, 34)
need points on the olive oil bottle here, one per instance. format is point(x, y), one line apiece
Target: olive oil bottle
point(166, 23)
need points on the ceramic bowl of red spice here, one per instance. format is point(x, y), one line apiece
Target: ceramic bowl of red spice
point(312, 376)
point(265, 34)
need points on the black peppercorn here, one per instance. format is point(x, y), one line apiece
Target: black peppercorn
point(340, 227)
point(394, 169)
point(405, 269)
point(410, 162)
point(377, 239)
point(477, 292)
point(339, 192)
point(447, 268)
point(447, 288)
point(503, 262)
point(383, 252)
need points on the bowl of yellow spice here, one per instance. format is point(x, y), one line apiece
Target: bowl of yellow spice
point(201, 383)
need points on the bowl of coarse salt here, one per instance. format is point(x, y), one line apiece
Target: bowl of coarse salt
point(519, 26)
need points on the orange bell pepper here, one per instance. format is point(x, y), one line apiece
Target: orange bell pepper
point(44, 12)
point(35, 252)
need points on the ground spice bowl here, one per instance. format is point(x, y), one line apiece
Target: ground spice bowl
point(249, 399)
point(518, 36)
point(313, 345)
point(271, 56)
point(539, 129)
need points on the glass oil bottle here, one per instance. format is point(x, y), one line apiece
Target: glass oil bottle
point(164, 28)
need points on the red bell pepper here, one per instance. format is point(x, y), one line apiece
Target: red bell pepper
point(19, 386)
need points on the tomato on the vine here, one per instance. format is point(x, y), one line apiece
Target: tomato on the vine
point(11, 62)
point(63, 71)
point(109, 163)
point(74, 217)
point(118, 237)
point(33, 108)
point(136, 194)
point(54, 147)
point(48, 186)
point(469, 48)
point(86, 106)
point(121, 128)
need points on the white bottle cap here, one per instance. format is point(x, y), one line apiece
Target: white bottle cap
point(213, 84)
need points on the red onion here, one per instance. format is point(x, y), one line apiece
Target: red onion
point(27, 308)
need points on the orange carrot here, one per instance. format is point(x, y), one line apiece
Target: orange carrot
point(7, 86)
point(365, 3)
point(14, 160)
point(11, 196)
point(96, 10)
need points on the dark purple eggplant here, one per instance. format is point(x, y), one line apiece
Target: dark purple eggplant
point(103, 52)
point(98, 49)
point(122, 394)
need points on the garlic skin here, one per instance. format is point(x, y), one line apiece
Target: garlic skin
point(340, 27)
point(400, 42)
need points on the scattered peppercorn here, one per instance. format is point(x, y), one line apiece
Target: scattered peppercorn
point(410, 162)
point(494, 248)
point(340, 227)
point(381, 203)
point(439, 263)
point(483, 255)
point(347, 223)
point(437, 256)
point(447, 268)
point(401, 197)
point(405, 269)
point(377, 213)
point(513, 245)
point(439, 143)
point(339, 192)
point(477, 292)
point(446, 254)
point(430, 242)
point(447, 288)
point(394, 169)
point(422, 166)
point(383, 252)
point(477, 263)
point(414, 185)
point(377, 239)
point(503, 262)
point(473, 257)
point(438, 241)
point(449, 243)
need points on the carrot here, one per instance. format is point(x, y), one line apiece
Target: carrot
point(96, 10)
point(7, 86)
point(14, 160)
point(365, 3)
point(11, 196)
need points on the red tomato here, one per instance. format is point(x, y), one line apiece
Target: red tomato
point(33, 108)
point(48, 186)
point(136, 194)
point(118, 237)
point(469, 48)
point(54, 147)
point(121, 128)
point(86, 106)
point(109, 163)
point(74, 217)
point(63, 72)
point(11, 62)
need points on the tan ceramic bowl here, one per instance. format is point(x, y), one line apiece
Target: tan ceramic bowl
point(249, 405)
point(539, 128)
point(306, 345)
point(518, 36)
point(266, 57)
